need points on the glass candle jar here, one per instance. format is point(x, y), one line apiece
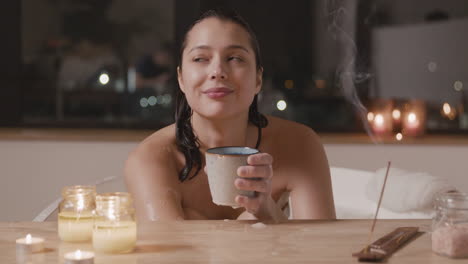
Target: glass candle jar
point(76, 213)
point(115, 228)
point(450, 225)
point(414, 118)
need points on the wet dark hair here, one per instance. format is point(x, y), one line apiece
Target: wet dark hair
point(186, 141)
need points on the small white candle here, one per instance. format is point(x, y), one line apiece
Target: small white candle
point(29, 244)
point(79, 257)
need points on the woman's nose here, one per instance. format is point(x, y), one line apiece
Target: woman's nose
point(218, 71)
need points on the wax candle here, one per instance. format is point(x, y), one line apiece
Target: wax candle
point(115, 228)
point(380, 116)
point(414, 121)
point(114, 237)
point(381, 124)
point(75, 226)
point(79, 257)
point(76, 213)
point(29, 244)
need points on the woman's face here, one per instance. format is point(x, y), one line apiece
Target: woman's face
point(218, 74)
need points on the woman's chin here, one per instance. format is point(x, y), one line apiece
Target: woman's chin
point(218, 114)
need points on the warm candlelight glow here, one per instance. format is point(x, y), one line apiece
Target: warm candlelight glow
point(412, 118)
point(446, 108)
point(78, 254)
point(414, 121)
point(370, 116)
point(396, 114)
point(115, 228)
point(79, 257)
point(29, 244)
point(76, 213)
point(399, 136)
point(448, 111)
point(379, 120)
point(80, 205)
point(28, 239)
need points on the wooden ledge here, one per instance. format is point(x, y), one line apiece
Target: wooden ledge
point(73, 134)
point(137, 135)
point(329, 138)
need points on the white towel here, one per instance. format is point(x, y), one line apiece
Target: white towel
point(406, 191)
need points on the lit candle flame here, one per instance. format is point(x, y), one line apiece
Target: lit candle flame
point(80, 205)
point(78, 254)
point(370, 116)
point(396, 114)
point(412, 117)
point(446, 108)
point(379, 120)
point(28, 239)
point(399, 136)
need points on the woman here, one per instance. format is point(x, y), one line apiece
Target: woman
point(220, 75)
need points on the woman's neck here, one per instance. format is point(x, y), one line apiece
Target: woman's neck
point(234, 131)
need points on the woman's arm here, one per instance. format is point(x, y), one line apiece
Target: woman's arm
point(310, 184)
point(151, 178)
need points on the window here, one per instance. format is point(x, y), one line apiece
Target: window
point(111, 63)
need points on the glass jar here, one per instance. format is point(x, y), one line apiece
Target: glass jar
point(76, 213)
point(115, 228)
point(414, 118)
point(450, 225)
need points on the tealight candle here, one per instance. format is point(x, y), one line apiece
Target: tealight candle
point(30, 244)
point(79, 257)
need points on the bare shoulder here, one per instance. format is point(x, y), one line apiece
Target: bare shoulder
point(302, 167)
point(294, 147)
point(151, 176)
point(290, 134)
point(156, 152)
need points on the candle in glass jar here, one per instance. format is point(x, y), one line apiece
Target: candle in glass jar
point(79, 257)
point(411, 125)
point(76, 213)
point(75, 226)
point(414, 120)
point(115, 228)
point(381, 125)
point(114, 237)
point(30, 244)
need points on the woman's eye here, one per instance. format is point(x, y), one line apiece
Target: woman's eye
point(198, 59)
point(235, 58)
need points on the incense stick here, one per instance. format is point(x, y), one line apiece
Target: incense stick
point(378, 206)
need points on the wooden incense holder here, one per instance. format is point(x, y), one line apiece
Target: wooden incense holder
point(386, 245)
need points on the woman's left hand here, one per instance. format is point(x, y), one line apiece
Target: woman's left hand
point(256, 176)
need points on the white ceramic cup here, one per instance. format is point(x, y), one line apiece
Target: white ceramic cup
point(221, 166)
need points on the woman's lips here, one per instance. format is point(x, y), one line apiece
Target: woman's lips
point(215, 93)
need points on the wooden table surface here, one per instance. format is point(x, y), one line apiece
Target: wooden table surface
point(233, 242)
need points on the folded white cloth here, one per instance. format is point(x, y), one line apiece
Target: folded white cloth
point(406, 191)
